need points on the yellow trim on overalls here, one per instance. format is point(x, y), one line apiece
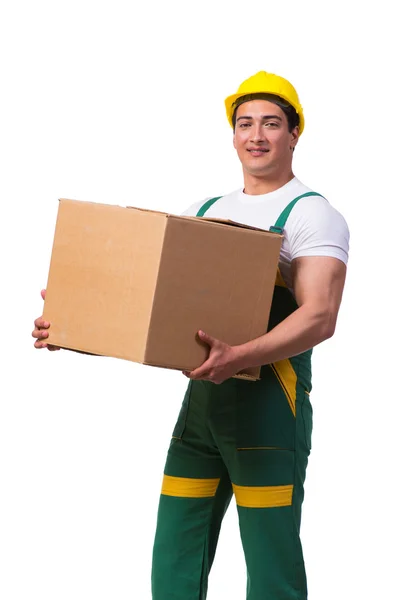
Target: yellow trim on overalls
point(268, 496)
point(187, 487)
point(279, 279)
point(287, 378)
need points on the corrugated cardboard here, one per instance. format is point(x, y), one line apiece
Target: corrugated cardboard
point(138, 284)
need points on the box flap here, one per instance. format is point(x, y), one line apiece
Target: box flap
point(148, 210)
point(252, 375)
point(228, 222)
point(209, 219)
point(233, 223)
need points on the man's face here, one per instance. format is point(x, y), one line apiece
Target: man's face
point(262, 139)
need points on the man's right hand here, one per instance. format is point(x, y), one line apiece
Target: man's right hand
point(40, 332)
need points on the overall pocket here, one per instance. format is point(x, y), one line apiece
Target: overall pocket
point(306, 416)
point(264, 416)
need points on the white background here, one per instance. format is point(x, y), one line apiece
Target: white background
point(123, 104)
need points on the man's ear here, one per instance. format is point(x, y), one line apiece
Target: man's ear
point(294, 138)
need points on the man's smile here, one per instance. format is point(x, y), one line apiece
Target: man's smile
point(257, 151)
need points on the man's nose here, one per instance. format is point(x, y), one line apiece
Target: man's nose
point(258, 133)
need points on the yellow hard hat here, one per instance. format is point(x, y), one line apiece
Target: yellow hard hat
point(266, 83)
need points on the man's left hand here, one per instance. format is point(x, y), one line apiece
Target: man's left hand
point(222, 363)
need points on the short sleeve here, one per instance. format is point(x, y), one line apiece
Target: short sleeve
point(315, 228)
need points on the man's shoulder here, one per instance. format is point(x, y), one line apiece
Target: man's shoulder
point(297, 188)
point(316, 228)
point(314, 206)
point(315, 214)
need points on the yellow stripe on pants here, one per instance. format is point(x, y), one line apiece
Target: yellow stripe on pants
point(186, 487)
point(267, 496)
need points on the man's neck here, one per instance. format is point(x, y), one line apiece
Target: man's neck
point(255, 186)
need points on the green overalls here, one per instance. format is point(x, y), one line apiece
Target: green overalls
point(250, 439)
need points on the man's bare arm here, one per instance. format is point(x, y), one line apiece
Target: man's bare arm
point(318, 287)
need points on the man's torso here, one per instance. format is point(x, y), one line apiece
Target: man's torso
point(313, 228)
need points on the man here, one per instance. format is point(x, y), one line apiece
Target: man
point(252, 439)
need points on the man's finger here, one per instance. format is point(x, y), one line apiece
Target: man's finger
point(202, 372)
point(40, 344)
point(40, 323)
point(40, 333)
point(43, 294)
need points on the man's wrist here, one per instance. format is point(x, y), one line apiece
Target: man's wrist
point(242, 357)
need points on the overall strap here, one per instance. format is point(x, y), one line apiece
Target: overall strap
point(281, 220)
point(203, 209)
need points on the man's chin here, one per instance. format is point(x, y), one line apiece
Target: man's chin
point(259, 170)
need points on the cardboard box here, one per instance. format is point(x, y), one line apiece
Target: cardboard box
point(138, 285)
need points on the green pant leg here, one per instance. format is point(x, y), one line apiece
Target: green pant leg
point(195, 495)
point(270, 532)
point(266, 452)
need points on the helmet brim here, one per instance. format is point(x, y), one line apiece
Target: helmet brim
point(231, 100)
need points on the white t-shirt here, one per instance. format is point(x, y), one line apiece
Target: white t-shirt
point(313, 228)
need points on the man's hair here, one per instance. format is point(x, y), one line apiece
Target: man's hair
point(291, 115)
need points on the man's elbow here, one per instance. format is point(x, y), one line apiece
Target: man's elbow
point(327, 324)
point(323, 320)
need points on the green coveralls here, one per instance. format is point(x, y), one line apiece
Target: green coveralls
point(250, 439)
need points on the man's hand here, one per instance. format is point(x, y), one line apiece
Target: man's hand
point(222, 363)
point(40, 332)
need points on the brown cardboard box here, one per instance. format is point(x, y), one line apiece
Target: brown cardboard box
point(138, 284)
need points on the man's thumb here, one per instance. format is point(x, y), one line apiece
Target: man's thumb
point(208, 339)
point(43, 294)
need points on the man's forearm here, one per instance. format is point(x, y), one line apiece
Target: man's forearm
point(302, 330)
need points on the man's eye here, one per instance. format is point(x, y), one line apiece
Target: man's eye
point(244, 125)
point(271, 124)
